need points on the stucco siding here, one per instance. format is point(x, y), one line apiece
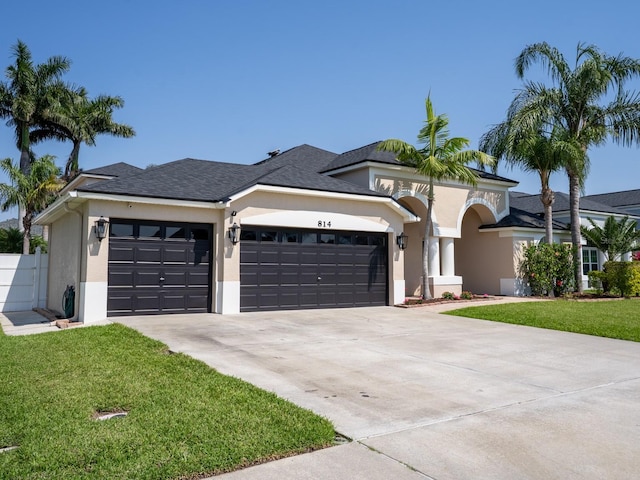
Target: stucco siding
point(64, 257)
point(482, 258)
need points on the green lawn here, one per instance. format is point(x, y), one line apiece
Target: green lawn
point(614, 319)
point(185, 419)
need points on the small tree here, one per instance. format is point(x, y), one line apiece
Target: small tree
point(441, 158)
point(548, 269)
point(32, 191)
point(615, 238)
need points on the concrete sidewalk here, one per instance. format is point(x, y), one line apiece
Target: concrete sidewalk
point(426, 395)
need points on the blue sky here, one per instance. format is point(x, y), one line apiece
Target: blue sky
point(231, 80)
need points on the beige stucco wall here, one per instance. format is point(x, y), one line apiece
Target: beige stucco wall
point(359, 177)
point(451, 200)
point(482, 258)
point(64, 256)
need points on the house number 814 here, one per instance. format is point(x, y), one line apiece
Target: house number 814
point(323, 224)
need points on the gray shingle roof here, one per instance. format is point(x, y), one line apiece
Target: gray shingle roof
point(523, 219)
point(617, 199)
point(532, 204)
point(186, 179)
point(120, 169)
point(207, 181)
point(307, 156)
point(370, 153)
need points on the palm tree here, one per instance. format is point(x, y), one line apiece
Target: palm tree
point(533, 151)
point(29, 97)
point(82, 119)
point(32, 191)
point(588, 103)
point(441, 158)
point(615, 238)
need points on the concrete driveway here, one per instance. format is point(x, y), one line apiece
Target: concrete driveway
point(426, 395)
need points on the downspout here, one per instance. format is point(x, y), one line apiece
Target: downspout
point(76, 306)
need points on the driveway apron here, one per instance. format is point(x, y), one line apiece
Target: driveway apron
point(447, 397)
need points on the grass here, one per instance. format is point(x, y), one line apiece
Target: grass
point(184, 419)
point(614, 319)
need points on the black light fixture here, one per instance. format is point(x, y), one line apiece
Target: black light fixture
point(233, 233)
point(100, 228)
point(402, 240)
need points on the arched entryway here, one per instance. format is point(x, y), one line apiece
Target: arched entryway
point(480, 255)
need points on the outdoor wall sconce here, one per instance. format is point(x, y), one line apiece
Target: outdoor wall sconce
point(401, 240)
point(100, 228)
point(233, 233)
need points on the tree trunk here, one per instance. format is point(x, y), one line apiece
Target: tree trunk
point(71, 168)
point(26, 238)
point(547, 197)
point(574, 201)
point(426, 291)
point(25, 147)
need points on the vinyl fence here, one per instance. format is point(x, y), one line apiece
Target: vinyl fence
point(23, 281)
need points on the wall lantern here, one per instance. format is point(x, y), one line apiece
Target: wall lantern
point(100, 228)
point(233, 233)
point(401, 240)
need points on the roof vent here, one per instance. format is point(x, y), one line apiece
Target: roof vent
point(273, 153)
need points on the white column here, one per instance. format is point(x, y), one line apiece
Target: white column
point(447, 256)
point(434, 257)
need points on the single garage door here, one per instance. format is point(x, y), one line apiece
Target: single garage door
point(158, 268)
point(284, 269)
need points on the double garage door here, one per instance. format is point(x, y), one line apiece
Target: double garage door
point(158, 268)
point(285, 269)
point(166, 267)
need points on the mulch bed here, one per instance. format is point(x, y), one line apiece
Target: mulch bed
point(417, 302)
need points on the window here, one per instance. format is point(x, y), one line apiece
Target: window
point(149, 231)
point(121, 230)
point(589, 259)
point(176, 233)
point(268, 236)
point(289, 237)
point(248, 235)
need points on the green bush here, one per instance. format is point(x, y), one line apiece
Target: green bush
point(621, 278)
point(466, 295)
point(448, 295)
point(548, 269)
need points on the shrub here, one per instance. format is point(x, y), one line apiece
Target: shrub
point(622, 278)
point(466, 295)
point(448, 296)
point(548, 268)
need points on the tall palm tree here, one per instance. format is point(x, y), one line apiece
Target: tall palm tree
point(81, 119)
point(614, 238)
point(441, 158)
point(32, 191)
point(30, 95)
point(532, 151)
point(588, 103)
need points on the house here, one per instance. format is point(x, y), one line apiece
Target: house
point(305, 228)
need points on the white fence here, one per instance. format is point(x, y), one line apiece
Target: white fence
point(23, 281)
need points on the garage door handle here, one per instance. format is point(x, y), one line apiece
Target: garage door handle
point(319, 278)
point(162, 279)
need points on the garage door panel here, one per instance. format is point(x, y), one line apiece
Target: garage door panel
point(285, 275)
point(148, 254)
point(159, 275)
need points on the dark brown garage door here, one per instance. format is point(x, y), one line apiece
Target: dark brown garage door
point(158, 268)
point(303, 269)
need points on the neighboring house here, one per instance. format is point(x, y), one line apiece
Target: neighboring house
point(306, 228)
point(596, 207)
